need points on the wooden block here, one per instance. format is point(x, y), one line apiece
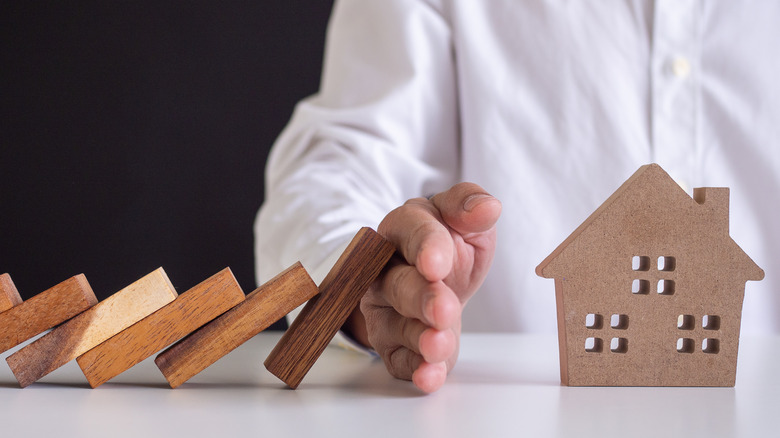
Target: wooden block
point(44, 311)
point(185, 314)
point(261, 308)
point(9, 296)
point(91, 327)
point(323, 316)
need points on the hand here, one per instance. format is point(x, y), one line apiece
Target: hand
point(412, 314)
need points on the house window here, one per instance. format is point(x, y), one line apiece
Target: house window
point(710, 345)
point(665, 287)
point(593, 321)
point(640, 263)
point(642, 267)
point(710, 322)
point(618, 321)
point(618, 345)
point(684, 345)
point(593, 345)
point(666, 263)
point(685, 322)
point(640, 287)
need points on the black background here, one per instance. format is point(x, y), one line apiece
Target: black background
point(133, 134)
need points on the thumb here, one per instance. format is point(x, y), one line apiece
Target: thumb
point(468, 209)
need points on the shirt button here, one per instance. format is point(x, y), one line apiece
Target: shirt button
point(680, 67)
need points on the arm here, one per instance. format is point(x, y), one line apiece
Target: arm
point(382, 129)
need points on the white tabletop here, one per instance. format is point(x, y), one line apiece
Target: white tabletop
point(503, 385)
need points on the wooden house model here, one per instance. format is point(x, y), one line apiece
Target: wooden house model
point(649, 288)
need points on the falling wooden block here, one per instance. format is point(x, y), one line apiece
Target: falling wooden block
point(44, 311)
point(261, 308)
point(9, 296)
point(323, 316)
point(185, 314)
point(91, 327)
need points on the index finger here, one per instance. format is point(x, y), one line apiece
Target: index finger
point(417, 231)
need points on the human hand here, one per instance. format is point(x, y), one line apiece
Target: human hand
point(412, 314)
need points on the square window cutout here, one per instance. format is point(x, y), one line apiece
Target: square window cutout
point(685, 322)
point(593, 321)
point(618, 321)
point(640, 287)
point(640, 263)
point(593, 345)
point(710, 345)
point(665, 287)
point(710, 322)
point(684, 345)
point(618, 345)
point(666, 263)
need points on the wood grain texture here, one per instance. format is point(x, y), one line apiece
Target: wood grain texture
point(9, 296)
point(185, 314)
point(91, 327)
point(261, 308)
point(44, 311)
point(323, 316)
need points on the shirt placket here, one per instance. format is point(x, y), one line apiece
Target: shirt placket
point(675, 88)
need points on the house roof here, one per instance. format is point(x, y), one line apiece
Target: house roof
point(649, 205)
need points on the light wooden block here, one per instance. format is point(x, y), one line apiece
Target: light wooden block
point(92, 327)
point(185, 314)
point(261, 308)
point(9, 296)
point(323, 316)
point(44, 311)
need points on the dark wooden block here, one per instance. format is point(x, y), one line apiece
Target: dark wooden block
point(323, 316)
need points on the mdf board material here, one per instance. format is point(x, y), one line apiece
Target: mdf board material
point(649, 288)
point(45, 310)
point(188, 312)
point(261, 308)
point(323, 316)
point(92, 327)
point(9, 296)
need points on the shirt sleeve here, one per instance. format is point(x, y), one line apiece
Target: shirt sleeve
point(383, 128)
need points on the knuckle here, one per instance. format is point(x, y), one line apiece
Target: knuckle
point(397, 285)
point(400, 363)
point(419, 234)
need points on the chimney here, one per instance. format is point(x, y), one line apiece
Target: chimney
point(715, 201)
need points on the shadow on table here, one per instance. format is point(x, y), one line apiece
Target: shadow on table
point(10, 385)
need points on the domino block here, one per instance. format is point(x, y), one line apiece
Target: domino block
point(185, 314)
point(9, 296)
point(91, 327)
point(323, 316)
point(261, 308)
point(44, 311)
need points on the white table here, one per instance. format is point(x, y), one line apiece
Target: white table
point(503, 385)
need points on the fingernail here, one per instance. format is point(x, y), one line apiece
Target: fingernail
point(474, 200)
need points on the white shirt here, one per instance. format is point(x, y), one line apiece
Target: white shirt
point(550, 106)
